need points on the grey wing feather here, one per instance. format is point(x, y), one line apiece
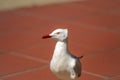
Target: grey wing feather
point(78, 67)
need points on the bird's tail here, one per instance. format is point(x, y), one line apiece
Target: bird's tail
point(80, 57)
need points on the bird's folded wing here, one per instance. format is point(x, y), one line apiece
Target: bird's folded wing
point(77, 68)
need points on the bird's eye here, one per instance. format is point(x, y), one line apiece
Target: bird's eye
point(58, 33)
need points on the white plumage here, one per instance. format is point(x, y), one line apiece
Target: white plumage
point(63, 64)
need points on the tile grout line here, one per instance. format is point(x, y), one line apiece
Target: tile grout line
point(113, 78)
point(110, 11)
point(98, 12)
point(27, 47)
point(46, 61)
point(87, 7)
point(66, 20)
point(29, 57)
point(28, 13)
point(99, 52)
point(97, 75)
point(23, 72)
point(92, 27)
point(102, 52)
point(38, 44)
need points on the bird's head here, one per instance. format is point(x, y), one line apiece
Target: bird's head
point(58, 34)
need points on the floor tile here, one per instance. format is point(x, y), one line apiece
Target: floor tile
point(5, 14)
point(98, 40)
point(106, 64)
point(11, 64)
point(4, 30)
point(115, 12)
point(41, 30)
point(60, 11)
point(105, 21)
point(90, 77)
point(64, 12)
point(35, 75)
point(23, 21)
point(13, 40)
point(44, 51)
point(116, 78)
point(102, 4)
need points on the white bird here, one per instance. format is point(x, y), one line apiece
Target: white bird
point(63, 64)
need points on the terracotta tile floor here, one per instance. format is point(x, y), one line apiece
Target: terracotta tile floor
point(94, 31)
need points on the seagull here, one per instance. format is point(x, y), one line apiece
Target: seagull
point(63, 64)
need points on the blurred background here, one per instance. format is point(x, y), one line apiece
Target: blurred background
point(12, 4)
point(94, 32)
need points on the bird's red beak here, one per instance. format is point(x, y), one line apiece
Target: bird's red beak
point(47, 36)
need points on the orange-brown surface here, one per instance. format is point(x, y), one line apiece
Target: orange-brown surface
point(94, 31)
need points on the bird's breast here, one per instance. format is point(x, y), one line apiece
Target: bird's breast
point(58, 64)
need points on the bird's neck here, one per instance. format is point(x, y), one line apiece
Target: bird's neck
point(61, 47)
